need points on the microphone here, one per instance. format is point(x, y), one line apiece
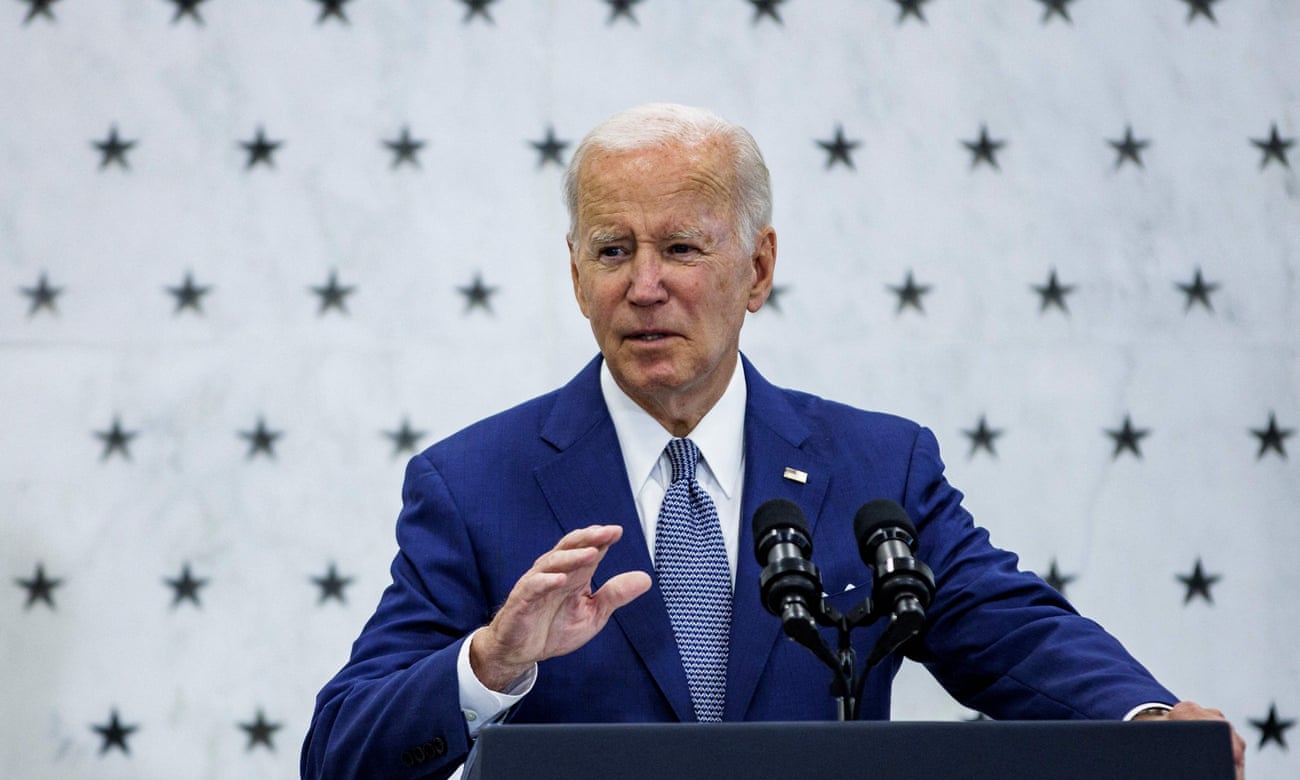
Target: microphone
point(903, 586)
point(790, 585)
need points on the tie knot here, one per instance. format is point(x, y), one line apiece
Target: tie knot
point(683, 454)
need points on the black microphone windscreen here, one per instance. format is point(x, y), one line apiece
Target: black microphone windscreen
point(776, 513)
point(880, 513)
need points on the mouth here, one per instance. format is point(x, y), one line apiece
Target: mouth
point(646, 336)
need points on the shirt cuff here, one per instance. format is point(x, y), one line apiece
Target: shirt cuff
point(482, 705)
point(1151, 705)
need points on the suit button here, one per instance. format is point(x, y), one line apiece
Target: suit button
point(408, 758)
point(437, 747)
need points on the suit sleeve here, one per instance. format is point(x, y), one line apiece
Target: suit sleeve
point(393, 710)
point(1002, 641)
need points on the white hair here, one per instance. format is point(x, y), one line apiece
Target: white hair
point(663, 124)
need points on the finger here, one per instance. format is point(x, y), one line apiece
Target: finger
point(1190, 710)
point(591, 536)
point(580, 552)
point(567, 561)
point(537, 585)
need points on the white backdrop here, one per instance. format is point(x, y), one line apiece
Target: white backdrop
point(93, 525)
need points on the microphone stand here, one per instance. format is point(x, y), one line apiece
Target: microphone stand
point(848, 680)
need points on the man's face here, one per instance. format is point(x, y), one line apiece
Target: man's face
point(659, 270)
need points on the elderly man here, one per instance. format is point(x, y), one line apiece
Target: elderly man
point(621, 499)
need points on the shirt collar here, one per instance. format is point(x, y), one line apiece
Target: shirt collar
point(720, 434)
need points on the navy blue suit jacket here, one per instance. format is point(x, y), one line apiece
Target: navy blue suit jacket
point(482, 505)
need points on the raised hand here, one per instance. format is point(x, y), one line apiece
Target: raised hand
point(552, 610)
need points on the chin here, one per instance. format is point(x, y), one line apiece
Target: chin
point(653, 381)
point(647, 379)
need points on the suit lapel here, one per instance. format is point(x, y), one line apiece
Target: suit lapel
point(774, 433)
point(586, 484)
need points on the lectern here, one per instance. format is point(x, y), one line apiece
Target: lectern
point(1041, 750)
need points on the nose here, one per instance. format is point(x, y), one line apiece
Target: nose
point(645, 285)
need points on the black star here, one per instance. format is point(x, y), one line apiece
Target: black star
point(1198, 583)
point(621, 8)
point(404, 438)
point(1274, 147)
point(1272, 437)
point(766, 8)
point(982, 438)
point(41, 8)
point(332, 585)
point(260, 149)
point(114, 734)
point(1273, 729)
point(113, 149)
point(908, 8)
point(332, 8)
point(475, 8)
point(332, 295)
point(260, 731)
point(1197, 292)
point(1129, 148)
point(405, 148)
point(39, 588)
point(189, 295)
point(261, 439)
point(1128, 438)
point(186, 587)
point(910, 294)
point(1053, 293)
point(42, 296)
point(985, 149)
point(550, 149)
point(478, 295)
point(1200, 8)
point(839, 148)
point(1055, 8)
point(116, 440)
point(1056, 579)
point(774, 297)
point(188, 8)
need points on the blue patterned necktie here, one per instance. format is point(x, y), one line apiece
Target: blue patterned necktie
point(695, 579)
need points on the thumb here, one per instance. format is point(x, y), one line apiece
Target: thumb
point(621, 589)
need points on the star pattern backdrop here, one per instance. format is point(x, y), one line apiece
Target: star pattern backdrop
point(255, 255)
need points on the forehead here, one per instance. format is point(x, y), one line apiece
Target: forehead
point(660, 183)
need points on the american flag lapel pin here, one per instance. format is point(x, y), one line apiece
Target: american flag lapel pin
point(795, 475)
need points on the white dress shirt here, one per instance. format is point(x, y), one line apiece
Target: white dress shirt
point(720, 435)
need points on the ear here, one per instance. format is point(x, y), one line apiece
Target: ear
point(573, 271)
point(764, 264)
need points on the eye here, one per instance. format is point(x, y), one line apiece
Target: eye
point(611, 253)
point(681, 249)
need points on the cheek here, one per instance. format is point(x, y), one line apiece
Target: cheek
point(589, 291)
point(596, 302)
point(583, 295)
point(731, 293)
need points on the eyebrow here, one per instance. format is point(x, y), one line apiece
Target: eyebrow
point(610, 236)
point(605, 236)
